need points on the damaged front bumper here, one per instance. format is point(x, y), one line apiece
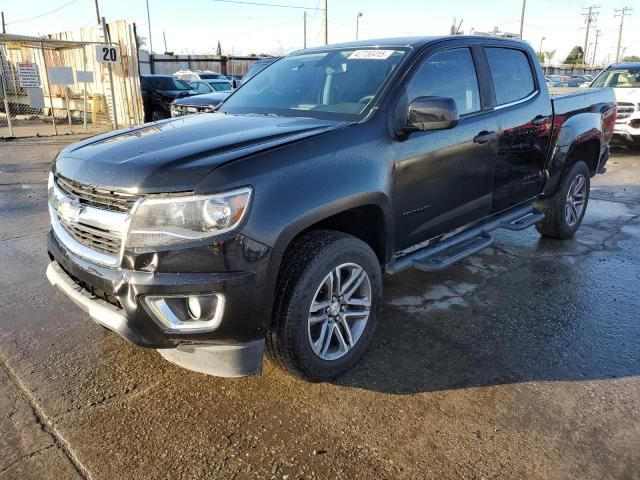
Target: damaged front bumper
point(115, 298)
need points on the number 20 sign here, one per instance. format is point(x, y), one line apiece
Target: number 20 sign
point(107, 54)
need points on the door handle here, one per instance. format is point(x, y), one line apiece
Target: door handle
point(484, 137)
point(539, 120)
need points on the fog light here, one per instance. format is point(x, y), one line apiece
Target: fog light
point(194, 308)
point(181, 313)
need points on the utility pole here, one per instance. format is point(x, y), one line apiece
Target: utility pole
point(595, 47)
point(622, 12)
point(358, 23)
point(326, 23)
point(164, 36)
point(304, 19)
point(149, 23)
point(98, 17)
point(4, 25)
point(524, 6)
point(589, 18)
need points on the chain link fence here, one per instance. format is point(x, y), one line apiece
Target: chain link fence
point(58, 87)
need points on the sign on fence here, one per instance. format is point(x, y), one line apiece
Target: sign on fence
point(28, 75)
point(36, 97)
point(61, 75)
point(83, 76)
point(107, 54)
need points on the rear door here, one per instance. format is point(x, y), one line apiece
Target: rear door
point(444, 178)
point(523, 115)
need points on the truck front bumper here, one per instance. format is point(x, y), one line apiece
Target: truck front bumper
point(115, 299)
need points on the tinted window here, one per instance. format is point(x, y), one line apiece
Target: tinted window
point(448, 74)
point(202, 87)
point(168, 83)
point(511, 72)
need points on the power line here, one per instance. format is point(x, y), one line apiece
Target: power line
point(259, 4)
point(43, 14)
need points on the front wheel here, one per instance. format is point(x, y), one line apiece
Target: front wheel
point(564, 217)
point(325, 313)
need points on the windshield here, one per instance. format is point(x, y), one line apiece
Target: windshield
point(169, 83)
point(220, 86)
point(618, 78)
point(334, 84)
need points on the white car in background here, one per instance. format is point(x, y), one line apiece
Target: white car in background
point(192, 75)
point(624, 78)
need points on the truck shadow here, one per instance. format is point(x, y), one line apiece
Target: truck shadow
point(551, 315)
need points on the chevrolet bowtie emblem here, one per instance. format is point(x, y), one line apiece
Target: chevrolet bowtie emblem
point(69, 212)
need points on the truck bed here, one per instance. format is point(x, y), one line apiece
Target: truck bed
point(572, 100)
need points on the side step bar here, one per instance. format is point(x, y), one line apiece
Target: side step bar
point(450, 250)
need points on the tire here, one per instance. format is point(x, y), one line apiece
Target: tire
point(158, 115)
point(305, 340)
point(561, 220)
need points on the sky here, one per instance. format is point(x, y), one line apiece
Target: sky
point(195, 26)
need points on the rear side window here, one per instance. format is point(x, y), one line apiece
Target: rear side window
point(450, 73)
point(511, 72)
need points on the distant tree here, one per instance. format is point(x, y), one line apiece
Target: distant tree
point(540, 56)
point(575, 57)
point(142, 41)
point(219, 49)
point(548, 55)
point(632, 58)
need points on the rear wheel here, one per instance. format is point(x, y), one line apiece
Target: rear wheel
point(563, 219)
point(326, 305)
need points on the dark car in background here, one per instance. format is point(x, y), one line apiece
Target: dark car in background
point(158, 91)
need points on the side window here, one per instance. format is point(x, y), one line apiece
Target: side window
point(511, 72)
point(450, 73)
point(202, 87)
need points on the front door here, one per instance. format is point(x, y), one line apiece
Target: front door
point(444, 178)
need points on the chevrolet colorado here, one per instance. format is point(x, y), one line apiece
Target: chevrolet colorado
point(269, 223)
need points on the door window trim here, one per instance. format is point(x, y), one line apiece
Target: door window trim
point(534, 76)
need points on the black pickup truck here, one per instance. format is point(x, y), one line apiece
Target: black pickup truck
point(270, 223)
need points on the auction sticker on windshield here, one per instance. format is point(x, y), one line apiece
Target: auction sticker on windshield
point(371, 54)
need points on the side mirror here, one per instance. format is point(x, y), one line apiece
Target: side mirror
point(431, 113)
point(234, 84)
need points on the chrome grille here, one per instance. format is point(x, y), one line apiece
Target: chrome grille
point(94, 238)
point(625, 110)
point(97, 197)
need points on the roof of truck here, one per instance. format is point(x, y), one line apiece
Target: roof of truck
point(410, 41)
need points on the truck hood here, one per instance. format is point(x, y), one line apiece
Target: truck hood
point(175, 155)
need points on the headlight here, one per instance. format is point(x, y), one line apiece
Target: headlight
point(167, 221)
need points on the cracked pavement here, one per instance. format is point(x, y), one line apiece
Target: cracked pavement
point(521, 362)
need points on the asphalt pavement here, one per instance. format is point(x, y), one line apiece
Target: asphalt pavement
point(520, 362)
